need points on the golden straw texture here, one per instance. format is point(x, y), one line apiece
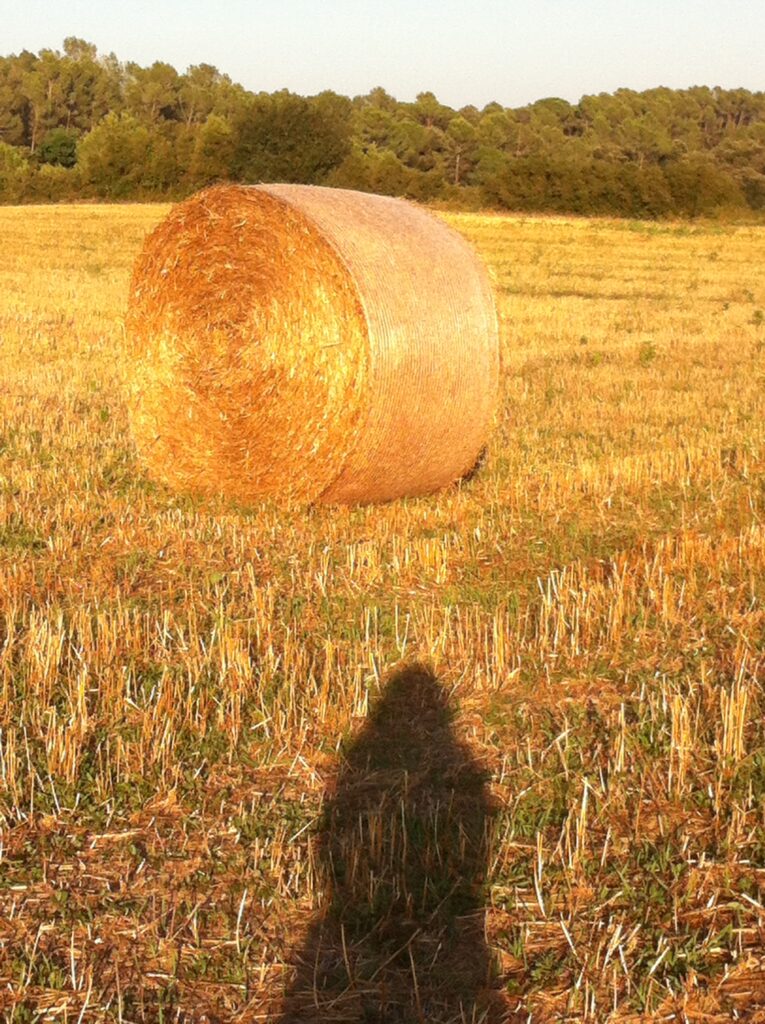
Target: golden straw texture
point(309, 343)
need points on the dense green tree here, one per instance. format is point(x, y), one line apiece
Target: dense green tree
point(59, 147)
point(152, 94)
point(78, 122)
point(284, 137)
point(114, 157)
point(14, 172)
point(13, 104)
point(43, 87)
point(51, 183)
point(197, 93)
point(93, 88)
point(461, 145)
point(429, 112)
point(699, 187)
point(374, 171)
point(213, 153)
point(80, 50)
point(375, 127)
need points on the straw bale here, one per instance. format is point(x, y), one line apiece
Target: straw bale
point(309, 343)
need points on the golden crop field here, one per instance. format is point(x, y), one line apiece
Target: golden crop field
point(493, 755)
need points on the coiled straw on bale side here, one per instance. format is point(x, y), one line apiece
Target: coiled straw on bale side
point(309, 343)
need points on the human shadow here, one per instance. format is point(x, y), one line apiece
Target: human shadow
point(401, 862)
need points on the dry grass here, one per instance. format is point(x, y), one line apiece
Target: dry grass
point(181, 681)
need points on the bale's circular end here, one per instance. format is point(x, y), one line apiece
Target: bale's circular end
point(249, 348)
point(309, 343)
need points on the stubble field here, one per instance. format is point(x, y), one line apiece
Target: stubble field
point(495, 754)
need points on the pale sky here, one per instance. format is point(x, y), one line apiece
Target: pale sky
point(514, 51)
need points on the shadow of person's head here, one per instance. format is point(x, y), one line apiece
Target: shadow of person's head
point(401, 861)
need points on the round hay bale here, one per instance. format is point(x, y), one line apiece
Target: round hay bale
point(309, 343)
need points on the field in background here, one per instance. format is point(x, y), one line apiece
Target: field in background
point(179, 679)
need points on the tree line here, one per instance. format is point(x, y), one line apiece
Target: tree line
point(77, 124)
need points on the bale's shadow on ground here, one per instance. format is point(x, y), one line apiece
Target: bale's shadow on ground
point(402, 861)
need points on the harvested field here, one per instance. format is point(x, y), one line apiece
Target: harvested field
point(500, 751)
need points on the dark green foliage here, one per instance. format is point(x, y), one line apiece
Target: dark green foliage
point(124, 131)
point(59, 147)
point(283, 137)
